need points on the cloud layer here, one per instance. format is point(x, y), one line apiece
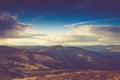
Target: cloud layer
point(85, 35)
point(12, 32)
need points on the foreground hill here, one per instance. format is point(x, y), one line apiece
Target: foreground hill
point(81, 75)
point(13, 62)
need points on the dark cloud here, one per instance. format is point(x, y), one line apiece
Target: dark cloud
point(10, 27)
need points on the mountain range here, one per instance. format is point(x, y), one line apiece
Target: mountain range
point(16, 62)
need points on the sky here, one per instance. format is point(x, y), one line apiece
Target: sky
point(59, 22)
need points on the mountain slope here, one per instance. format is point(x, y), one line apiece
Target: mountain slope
point(78, 58)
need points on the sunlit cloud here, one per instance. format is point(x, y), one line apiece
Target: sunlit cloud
point(103, 34)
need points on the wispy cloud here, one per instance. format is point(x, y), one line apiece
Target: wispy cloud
point(79, 24)
point(91, 22)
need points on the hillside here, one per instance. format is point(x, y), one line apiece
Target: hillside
point(78, 58)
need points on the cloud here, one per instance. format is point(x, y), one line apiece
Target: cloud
point(96, 30)
point(87, 35)
point(63, 38)
point(79, 24)
point(10, 27)
point(102, 34)
point(83, 35)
